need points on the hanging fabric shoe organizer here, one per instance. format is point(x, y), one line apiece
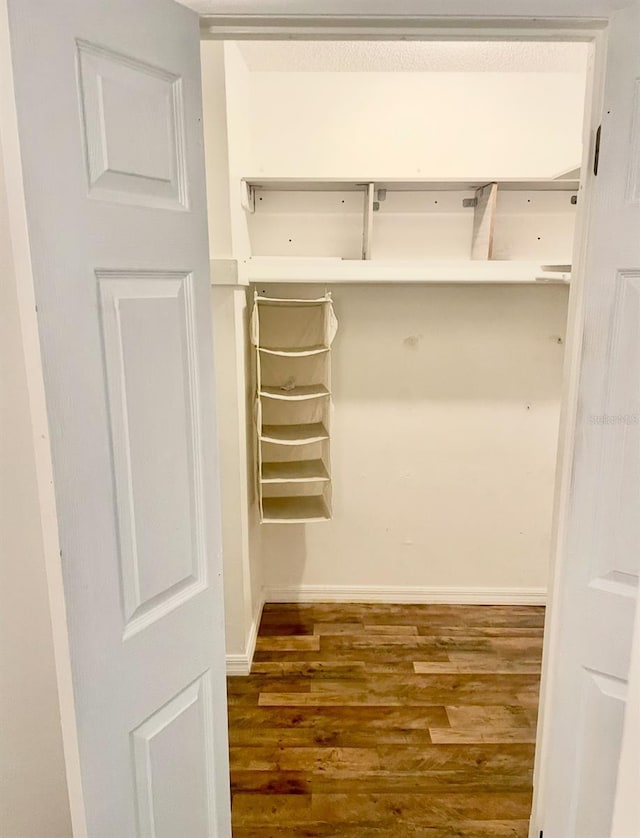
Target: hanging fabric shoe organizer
point(293, 338)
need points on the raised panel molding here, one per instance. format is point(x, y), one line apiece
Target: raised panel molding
point(633, 179)
point(619, 426)
point(603, 706)
point(173, 766)
point(122, 98)
point(149, 348)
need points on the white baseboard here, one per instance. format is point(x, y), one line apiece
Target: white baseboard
point(240, 664)
point(405, 596)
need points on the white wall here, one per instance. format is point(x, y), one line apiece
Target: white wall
point(237, 79)
point(34, 800)
point(240, 531)
point(234, 395)
point(216, 148)
point(444, 440)
point(438, 125)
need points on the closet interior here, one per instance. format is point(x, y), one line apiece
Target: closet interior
point(392, 230)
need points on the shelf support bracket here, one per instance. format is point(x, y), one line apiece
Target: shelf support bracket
point(484, 218)
point(248, 197)
point(367, 227)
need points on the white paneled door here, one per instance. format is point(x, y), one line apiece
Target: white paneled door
point(598, 582)
point(109, 115)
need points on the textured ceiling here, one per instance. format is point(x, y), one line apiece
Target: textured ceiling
point(412, 56)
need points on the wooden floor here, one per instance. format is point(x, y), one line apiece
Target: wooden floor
point(387, 720)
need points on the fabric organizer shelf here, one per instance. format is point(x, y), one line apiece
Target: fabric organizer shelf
point(292, 340)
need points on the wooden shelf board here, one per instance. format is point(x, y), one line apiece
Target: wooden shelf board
point(294, 434)
point(288, 184)
point(334, 270)
point(294, 510)
point(293, 352)
point(295, 471)
point(296, 394)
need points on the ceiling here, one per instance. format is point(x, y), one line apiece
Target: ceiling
point(413, 56)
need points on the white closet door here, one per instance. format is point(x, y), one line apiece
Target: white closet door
point(109, 112)
point(592, 620)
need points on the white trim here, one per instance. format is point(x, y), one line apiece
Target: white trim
point(433, 20)
point(240, 664)
point(418, 595)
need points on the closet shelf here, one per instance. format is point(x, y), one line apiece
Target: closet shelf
point(294, 434)
point(295, 471)
point(296, 394)
point(418, 185)
point(294, 510)
point(335, 270)
point(293, 351)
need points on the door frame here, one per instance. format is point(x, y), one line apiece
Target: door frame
point(541, 20)
point(485, 26)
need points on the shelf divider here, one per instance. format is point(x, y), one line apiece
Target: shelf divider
point(367, 227)
point(295, 394)
point(295, 510)
point(294, 351)
point(484, 219)
point(294, 434)
point(295, 471)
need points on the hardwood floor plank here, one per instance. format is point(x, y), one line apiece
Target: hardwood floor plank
point(431, 810)
point(481, 631)
point(292, 643)
point(479, 757)
point(406, 782)
point(326, 699)
point(339, 628)
point(369, 720)
point(270, 782)
point(393, 629)
point(333, 737)
point(476, 665)
point(329, 761)
point(497, 717)
point(342, 718)
point(463, 829)
point(255, 683)
point(331, 669)
point(381, 641)
point(394, 810)
point(462, 736)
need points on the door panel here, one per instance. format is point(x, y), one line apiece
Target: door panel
point(117, 92)
point(148, 334)
point(172, 752)
point(109, 113)
point(603, 709)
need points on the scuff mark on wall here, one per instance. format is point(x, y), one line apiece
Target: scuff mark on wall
point(412, 341)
